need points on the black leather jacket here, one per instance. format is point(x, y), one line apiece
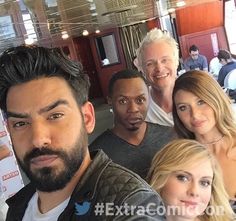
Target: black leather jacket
point(103, 183)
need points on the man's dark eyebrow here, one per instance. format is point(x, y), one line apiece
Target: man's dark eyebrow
point(16, 115)
point(44, 109)
point(53, 105)
point(123, 95)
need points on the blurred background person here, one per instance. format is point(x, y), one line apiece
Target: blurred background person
point(158, 58)
point(189, 180)
point(214, 67)
point(202, 111)
point(228, 65)
point(195, 61)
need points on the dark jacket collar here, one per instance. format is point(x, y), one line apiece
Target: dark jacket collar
point(85, 189)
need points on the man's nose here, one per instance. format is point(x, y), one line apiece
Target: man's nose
point(40, 135)
point(133, 107)
point(159, 66)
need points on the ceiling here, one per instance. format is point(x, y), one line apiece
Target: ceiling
point(42, 19)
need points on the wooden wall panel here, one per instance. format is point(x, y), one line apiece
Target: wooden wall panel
point(199, 17)
point(205, 42)
point(83, 49)
point(154, 23)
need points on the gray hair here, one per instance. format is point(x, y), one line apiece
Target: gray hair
point(157, 35)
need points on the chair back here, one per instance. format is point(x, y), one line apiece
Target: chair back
point(230, 80)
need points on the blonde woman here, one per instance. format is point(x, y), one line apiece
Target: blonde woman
point(189, 180)
point(202, 111)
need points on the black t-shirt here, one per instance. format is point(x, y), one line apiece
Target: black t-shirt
point(136, 158)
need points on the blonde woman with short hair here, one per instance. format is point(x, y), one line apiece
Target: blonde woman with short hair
point(189, 180)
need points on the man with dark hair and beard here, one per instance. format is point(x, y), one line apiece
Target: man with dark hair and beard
point(132, 142)
point(45, 98)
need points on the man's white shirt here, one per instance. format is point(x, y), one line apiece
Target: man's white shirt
point(32, 212)
point(157, 115)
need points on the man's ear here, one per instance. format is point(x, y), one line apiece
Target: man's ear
point(109, 100)
point(137, 65)
point(88, 116)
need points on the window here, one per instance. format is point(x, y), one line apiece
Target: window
point(6, 27)
point(107, 50)
point(230, 18)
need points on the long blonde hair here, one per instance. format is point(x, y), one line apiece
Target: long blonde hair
point(181, 153)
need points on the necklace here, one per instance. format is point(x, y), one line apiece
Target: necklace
point(215, 141)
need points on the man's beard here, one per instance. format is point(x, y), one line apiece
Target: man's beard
point(133, 128)
point(49, 179)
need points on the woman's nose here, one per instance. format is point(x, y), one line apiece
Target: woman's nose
point(194, 112)
point(193, 189)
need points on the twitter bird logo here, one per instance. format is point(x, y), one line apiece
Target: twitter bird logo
point(82, 208)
